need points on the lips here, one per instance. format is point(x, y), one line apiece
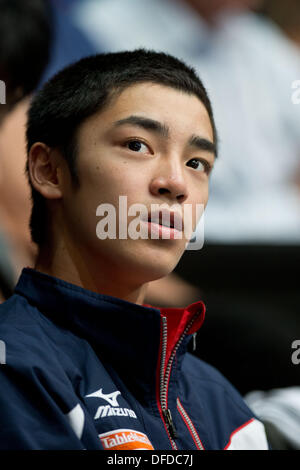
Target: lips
point(166, 218)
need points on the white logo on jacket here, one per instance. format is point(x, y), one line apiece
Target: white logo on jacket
point(113, 409)
point(110, 397)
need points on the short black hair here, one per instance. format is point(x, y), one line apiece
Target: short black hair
point(85, 88)
point(26, 34)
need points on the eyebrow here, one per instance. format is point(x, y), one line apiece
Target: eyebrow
point(145, 123)
point(148, 124)
point(203, 144)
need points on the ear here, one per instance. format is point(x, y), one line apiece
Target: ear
point(45, 171)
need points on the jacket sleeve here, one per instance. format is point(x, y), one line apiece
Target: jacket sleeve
point(32, 416)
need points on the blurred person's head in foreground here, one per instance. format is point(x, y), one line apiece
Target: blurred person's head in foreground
point(138, 124)
point(24, 48)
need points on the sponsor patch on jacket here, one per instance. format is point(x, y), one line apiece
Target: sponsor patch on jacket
point(125, 439)
point(107, 410)
point(113, 408)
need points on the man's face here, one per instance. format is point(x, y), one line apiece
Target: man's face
point(152, 145)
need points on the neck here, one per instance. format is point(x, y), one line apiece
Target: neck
point(77, 269)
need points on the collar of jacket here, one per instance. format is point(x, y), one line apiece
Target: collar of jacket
point(127, 336)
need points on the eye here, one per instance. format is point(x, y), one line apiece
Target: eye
point(200, 165)
point(136, 145)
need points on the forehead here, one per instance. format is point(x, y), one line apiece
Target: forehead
point(180, 111)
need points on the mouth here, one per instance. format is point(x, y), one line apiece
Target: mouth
point(164, 223)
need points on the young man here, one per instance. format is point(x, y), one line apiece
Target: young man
point(85, 365)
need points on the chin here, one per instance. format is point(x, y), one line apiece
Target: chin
point(144, 264)
point(154, 268)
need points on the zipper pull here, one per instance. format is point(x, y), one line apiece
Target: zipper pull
point(194, 341)
point(170, 424)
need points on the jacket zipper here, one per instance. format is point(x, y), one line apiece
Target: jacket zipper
point(163, 387)
point(190, 425)
point(164, 377)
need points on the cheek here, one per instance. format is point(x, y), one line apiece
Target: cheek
point(110, 178)
point(199, 194)
point(104, 186)
point(199, 204)
point(206, 196)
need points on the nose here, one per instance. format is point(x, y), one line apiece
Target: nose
point(169, 181)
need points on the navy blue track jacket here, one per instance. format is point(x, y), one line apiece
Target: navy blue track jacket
point(81, 370)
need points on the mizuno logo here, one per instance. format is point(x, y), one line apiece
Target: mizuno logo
point(110, 397)
point(109, 411)
point(113, 408)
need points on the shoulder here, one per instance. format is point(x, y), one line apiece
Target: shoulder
point(212, 383)
point(19, 321)
point(37, 394)
point(229, 422)
point(31, 340)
